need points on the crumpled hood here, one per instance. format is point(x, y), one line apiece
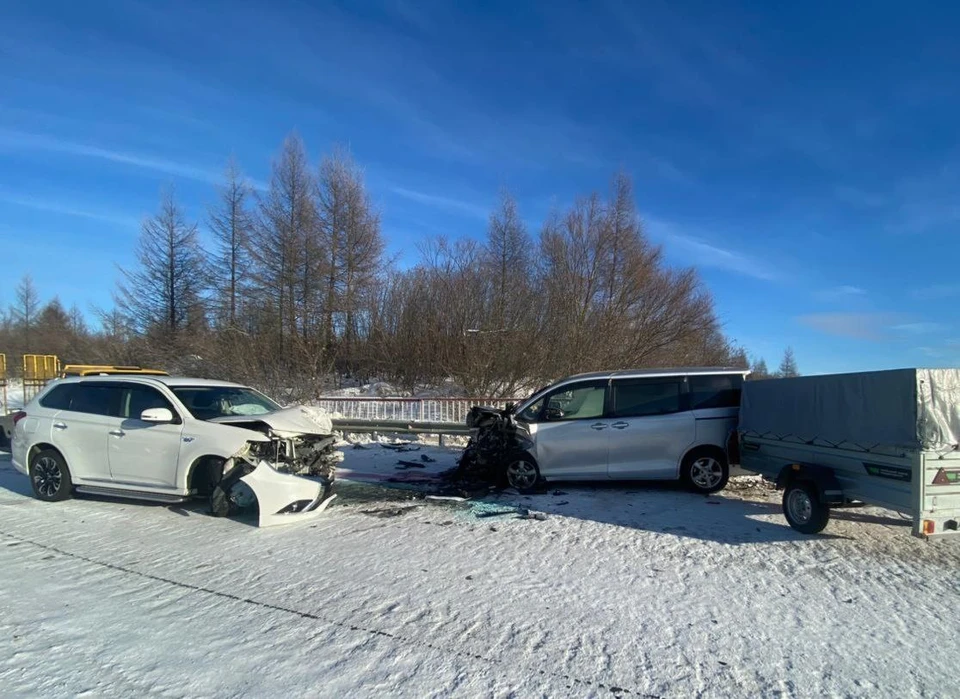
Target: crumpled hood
point(296, 420)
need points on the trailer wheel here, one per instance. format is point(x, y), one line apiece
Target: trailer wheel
point(803, 509)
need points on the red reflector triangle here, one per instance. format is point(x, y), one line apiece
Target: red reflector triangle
point(941, 478)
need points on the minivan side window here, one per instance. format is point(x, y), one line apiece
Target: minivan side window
point(644, 397)
point(95, 399)
point(58, 398)
point(576, 402)
point(715, 391)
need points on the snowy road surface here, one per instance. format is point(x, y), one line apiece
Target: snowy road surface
point(626, 591)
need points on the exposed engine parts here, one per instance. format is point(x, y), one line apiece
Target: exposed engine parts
point(497, 439)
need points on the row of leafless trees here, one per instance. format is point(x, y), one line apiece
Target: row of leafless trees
point(294, 292)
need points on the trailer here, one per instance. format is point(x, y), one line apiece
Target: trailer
point(886, 438)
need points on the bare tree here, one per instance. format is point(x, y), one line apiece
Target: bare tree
point(23, 313)
point(758, 370)
point(353, 249)
point(163, 295)
point(231, 224)
point(788, 365)
point(281, 245)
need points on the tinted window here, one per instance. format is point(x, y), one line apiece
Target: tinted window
point(715, 391)
point(637, 398)
point(578, 402)
point(136, 399)
point(58, 398)
point(96, 399)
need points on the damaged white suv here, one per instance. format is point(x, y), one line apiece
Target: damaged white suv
point(170, 439)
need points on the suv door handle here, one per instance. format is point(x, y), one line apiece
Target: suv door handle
point(117, 433)
point(59, 426)
point(599, 426)
point(620, 425)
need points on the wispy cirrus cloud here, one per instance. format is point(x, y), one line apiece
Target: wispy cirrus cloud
point(921, 328)
point(443, 202)
point(59, 207)
point(21, 140)
point(698, 251)
point(840, 293)
point(869, 326)
point(858, 326)
point(936, 292)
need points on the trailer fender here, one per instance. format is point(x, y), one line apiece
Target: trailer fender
point(828, 487)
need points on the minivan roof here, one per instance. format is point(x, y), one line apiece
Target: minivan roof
point(654, 373)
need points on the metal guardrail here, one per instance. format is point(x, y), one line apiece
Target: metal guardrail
point(436, 410)
point(400, 426)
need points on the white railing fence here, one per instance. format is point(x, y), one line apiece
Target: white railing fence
point(452, 410)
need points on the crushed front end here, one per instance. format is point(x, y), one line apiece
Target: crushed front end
point(496, 436)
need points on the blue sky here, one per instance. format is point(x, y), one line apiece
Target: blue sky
point(805, 157)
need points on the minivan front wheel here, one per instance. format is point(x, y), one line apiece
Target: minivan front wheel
point(705, 472)
point(521, 473)
point(49, 476)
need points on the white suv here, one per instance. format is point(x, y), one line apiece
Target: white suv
point(169, 439)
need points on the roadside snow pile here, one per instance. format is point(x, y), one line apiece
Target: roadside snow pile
point(14, 396)
point(753, 482)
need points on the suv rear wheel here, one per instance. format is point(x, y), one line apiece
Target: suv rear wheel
point(49, 476)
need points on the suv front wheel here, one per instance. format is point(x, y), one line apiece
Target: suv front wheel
point(49, 476)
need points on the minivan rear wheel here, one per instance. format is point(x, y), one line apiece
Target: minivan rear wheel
point(49, 476)
point(705, 472)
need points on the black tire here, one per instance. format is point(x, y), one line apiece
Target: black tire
point(705, 472)
point(803, 509)
point(206, 475)
point(220, 503)
point(521, 473)
point(50, 477)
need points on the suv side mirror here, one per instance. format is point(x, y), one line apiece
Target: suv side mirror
point(157, 415)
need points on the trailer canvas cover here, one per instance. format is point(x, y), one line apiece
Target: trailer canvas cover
point(902, 408)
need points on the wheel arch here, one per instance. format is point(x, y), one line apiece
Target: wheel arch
point(823, 478)
point(703, 450)
point(44, 446)
point(199, 468)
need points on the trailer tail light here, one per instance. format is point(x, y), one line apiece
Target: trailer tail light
point(929, 526)
point(18, 416)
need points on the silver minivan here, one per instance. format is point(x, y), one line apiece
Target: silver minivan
point(661, 424)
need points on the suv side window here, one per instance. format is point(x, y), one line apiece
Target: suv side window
point(59, 397)
point(96, 399)
point(644, 397)
point(576, 402)
point(137, 398)
point(715, 391)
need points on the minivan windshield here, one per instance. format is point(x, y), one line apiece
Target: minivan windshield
point(209, 402)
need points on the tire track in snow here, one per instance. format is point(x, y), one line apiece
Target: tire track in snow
point(574, 681)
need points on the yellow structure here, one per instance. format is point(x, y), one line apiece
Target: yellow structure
point(99, 369)
point(38, 369)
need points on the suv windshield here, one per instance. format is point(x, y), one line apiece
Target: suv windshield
point(209, 402)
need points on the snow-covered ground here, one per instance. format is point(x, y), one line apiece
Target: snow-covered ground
point(621, 591)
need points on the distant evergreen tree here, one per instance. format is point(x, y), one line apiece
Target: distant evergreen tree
point(788, 365)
